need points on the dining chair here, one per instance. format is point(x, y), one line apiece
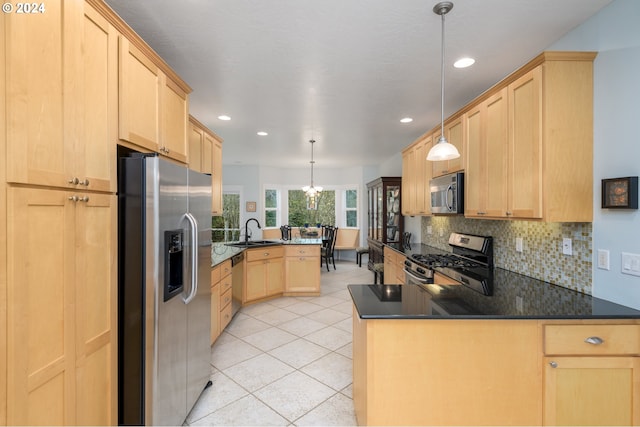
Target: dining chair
point(328, 247)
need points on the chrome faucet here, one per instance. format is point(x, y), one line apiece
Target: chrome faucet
point(246, 228)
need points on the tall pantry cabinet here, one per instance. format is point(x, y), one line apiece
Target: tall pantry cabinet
point(58, 195)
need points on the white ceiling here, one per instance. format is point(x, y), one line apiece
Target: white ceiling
point(341, 71)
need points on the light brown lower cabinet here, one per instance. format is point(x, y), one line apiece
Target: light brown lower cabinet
point(393, 267)
point(496, 372)
point(264, 273)
point(62, 308)
point(220, 298)
point(302, 270)
point(592, 374)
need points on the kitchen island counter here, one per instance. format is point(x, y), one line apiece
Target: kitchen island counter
point(513, 296)
point(221, 251)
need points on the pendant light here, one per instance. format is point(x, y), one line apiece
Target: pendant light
point(312, 193)
point(442, 150)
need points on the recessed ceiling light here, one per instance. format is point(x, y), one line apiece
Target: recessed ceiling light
point(406, 120)
point(261, 133)
point(224, 117)
point(464, 62)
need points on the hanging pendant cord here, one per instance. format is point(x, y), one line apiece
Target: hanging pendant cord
point(442, 82)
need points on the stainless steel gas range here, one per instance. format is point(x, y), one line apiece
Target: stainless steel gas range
point(470, 263)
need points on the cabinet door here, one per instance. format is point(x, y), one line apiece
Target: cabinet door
point(96, 310)
point(207, 154)
point(175, 117)
point(216, 176)
point(40, 316)
point(475, 178)
point(303, 274)
point(496, 152)
point(409, 179)
point(525, 146)
point(196, 137)
point(255, 286)
point(592, 391)
point(423, 176)
point(275, 276)
point(37, 146)
point(139, 97)
point(96, 150)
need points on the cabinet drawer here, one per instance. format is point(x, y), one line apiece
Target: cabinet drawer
point(302, 250)
point(225, 299)
point(215, 275)
point(265, 253)
point(225, 268)
point(225, 317)
point(225, 284)
point(592, 339)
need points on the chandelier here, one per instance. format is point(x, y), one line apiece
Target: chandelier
point(312, 193)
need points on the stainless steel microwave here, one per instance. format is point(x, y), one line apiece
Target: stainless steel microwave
point(447, 194)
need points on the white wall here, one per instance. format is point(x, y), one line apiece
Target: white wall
point(614, 33)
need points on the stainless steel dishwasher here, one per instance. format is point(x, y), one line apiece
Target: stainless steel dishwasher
point(237, 282)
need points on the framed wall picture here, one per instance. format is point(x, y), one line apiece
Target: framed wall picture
point(620, 193)
point(251, 206)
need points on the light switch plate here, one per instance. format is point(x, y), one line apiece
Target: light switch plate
point(603, 259)
point(630, 264)
point(518, 244)
point(566, 246)
point(429, 229)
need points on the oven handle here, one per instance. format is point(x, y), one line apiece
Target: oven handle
point(419, 279)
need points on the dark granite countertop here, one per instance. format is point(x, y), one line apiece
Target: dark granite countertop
point(514, 297)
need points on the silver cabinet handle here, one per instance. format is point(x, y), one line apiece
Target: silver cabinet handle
point(553, 364)
point(594, 340)
point(85, 182)
point(73, 181)
point(73, 198)
point(84, 199)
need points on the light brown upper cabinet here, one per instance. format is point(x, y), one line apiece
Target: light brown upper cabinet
point(205, 155)
point(454, 132)
point(416, 173)
point(61, 98)
point(486, 170)
point(527, 143)
point(153, 106)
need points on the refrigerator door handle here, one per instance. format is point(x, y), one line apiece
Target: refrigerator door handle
point(194, 257)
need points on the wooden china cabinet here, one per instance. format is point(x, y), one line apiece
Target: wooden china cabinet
point(386, 223)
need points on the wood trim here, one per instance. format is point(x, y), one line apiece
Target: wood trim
point(199, 124)
point(136, 40)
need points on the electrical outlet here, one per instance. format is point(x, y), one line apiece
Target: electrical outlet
point(518, 244)
point(441, 231)
point(603, 259)
point(519, 307)
point(631, 264)
point(429, 229)
point(566, 246)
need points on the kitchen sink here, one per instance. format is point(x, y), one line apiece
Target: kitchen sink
point(254, 243)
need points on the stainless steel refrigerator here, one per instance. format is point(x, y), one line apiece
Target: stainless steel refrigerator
point(164, 264)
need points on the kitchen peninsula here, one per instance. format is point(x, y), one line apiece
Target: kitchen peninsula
point(449, 355)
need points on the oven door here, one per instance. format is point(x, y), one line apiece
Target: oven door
point(414, 278)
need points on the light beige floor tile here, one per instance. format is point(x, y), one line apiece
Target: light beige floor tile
point(247, 326)
point(344, 307)
point(283, 302)
point(303, 307)
point(346, 350)
point(327, 301)
point(294, 395)
point(345, 325)
point(269, 338)
point(329, 337)
point(257, 372)
point(334, 370)
point(328, 316)
point(254, 310)
point(299, 353)
point(277, 316)
point(336, 411)
point(247, 411)
point(348, 391)
point(301, 326)
point(222, 392)
point(228, 354)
